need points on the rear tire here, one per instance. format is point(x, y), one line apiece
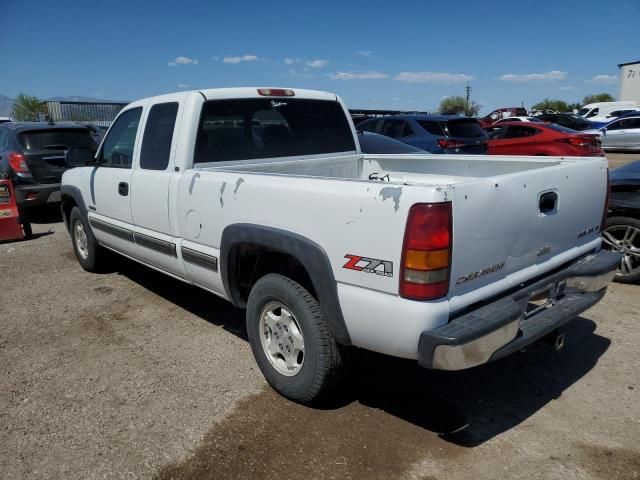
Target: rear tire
point(89, 253)
point(290, 340)
point(623, 234)
point(26, 227)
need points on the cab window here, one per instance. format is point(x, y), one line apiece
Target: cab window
point(117, 149)
point(158, 134)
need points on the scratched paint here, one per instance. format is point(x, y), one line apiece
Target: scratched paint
point(193, 182)
point(391, 192)
point(239, 182)
point(224, 185)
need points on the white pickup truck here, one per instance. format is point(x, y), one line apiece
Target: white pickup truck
point(263, 197)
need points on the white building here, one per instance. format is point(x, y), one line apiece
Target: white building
point(630, 81)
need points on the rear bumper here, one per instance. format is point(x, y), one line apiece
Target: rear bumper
point(509, 324)
point(28, 196)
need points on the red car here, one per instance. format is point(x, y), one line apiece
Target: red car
point(518, 138)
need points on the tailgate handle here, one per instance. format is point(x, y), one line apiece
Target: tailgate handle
point(548, 202)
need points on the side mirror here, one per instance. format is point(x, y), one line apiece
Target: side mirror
point(79, 157)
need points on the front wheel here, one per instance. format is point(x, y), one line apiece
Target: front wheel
point(290, 340)
point(89, 253)
point(623, 235)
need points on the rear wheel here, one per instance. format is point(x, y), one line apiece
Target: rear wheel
point(623, 235)
point(89, 253)
point(290, 340)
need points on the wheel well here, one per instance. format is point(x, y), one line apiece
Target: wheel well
point(66, 206)
point(250, 262)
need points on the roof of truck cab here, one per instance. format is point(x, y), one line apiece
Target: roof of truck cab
point(252, 92)
point(231, 93)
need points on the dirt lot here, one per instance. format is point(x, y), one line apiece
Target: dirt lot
point(133, 375)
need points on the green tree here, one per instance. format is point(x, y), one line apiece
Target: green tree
point(598, 97)
point(550, 104)
point(458, 106)
point(27, 108)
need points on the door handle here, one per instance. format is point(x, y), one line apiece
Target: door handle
point(123, 189)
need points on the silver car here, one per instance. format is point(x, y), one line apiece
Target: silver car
point(622, 134)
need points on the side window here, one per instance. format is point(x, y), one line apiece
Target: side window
point(407, 131)
point(496, 133)
point(593, 112)
point(369, 126)
point(634, 123)
point(432, 127)
point(618, 125)
point(519, 132)
point(117, 149)
point(158, 133)
point(392, 128)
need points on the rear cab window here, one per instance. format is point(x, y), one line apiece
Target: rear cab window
point(56, 139)
point(243, 129)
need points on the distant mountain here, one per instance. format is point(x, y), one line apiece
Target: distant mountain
point(6, 105)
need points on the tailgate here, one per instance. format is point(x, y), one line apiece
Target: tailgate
point(47, 166)
point(506, 223)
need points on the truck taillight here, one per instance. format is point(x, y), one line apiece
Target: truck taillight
point(17, 162)
point(426, 252)
point(444, 143)
point(276, 92)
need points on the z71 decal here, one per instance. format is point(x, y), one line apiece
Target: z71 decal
point(369, 265)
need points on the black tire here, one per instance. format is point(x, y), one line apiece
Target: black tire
point(94, 260)
point(615, 225)
point(320, 371)
point(26, 227)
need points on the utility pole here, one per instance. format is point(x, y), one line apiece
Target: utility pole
point(468, 90)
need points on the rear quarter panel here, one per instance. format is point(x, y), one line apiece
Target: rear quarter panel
point(343, 217)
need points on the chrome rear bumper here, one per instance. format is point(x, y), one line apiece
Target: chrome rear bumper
point(510, 323)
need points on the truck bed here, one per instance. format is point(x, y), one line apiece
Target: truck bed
point(426, 169)
point(496, 207)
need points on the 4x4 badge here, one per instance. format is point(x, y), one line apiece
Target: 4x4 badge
point(369, 265)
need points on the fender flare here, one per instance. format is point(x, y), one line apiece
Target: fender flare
point(70, 191)
point(310, 255)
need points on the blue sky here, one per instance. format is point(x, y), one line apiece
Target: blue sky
point(375, 54)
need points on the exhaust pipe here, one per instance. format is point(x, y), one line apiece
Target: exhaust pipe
point(558, 344)
point(556, 340)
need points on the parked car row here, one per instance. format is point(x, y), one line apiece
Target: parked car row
point(432, 133)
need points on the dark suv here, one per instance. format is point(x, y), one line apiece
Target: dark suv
point(32, 155)
point(432, 133)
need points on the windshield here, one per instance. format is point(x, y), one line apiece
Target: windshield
point(583, 111)
point(268, 128)
point(56, 139)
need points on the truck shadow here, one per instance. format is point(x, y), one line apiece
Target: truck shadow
point(466, 408)
point(472, 406)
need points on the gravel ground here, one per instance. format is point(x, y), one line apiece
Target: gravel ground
point(131, 374)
